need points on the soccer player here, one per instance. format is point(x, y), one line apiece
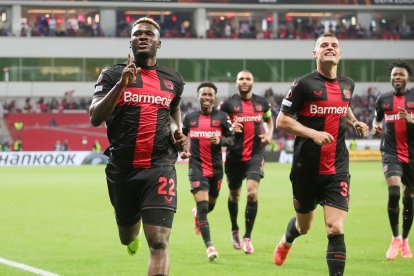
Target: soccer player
point(137, 101)
point(316, 110)
point(253, 128)
point(395, 110)
point(208, 129)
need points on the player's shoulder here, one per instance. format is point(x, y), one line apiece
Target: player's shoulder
point(385, 95)
point(259, 99)
point(171, 73)
point(114, 69)
point(219, 113)
point(193, 113)
point(345, 79)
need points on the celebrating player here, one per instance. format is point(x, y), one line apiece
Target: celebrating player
point(396, 109)
point(208, 129)
point(137, 100)
point(253, 126)
point(316, 110)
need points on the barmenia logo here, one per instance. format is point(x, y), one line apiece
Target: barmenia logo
point(146, 98)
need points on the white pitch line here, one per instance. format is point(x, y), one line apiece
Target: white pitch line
point(27, 268)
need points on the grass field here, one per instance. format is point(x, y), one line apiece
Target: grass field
point(60, 220)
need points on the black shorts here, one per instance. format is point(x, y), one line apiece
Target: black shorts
point(391, 166)
point(237, 171)
point(311, 190)
point(134, 191)
point(210, 184)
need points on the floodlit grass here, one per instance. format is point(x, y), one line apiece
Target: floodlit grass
point(60, 219)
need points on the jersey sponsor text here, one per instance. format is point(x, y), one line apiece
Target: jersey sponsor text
point(146, 98)
point(338, 110)
point(242, 119)
point(204, 134)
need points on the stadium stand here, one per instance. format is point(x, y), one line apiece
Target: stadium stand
point(201, 39)
point(41, 131)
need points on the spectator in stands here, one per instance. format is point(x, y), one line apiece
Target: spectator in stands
point(5, 146)
point(353, 144)
point(18, 125)
point(65, 145)
point(97, 147)
point(18, 145)
point(58, 145)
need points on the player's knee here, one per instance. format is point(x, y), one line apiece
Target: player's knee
point(393, 197)
point(234, 196)
point(251, 196)
point(159, 243)
point(335, 228)
point(202, 208)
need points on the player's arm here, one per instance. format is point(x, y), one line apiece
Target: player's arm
point(286, 122)
point(228, 138)
point(360, 127)
point(180, 140)
point(268, 127)
point(377, 127)
point(102, 107)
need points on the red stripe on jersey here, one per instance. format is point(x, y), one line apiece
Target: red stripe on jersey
point(150, 98)
point(400, 128)
point(147, 123)
point(328, 152)
point(332, 109)
point(248, 130)
point(205, 146)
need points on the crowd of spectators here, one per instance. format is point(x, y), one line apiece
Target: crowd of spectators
point(45, 105)
point(306, 28)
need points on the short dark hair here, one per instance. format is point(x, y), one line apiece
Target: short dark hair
point(148, 21)
point(401, 64)
point(327, 34)
point(207, 84)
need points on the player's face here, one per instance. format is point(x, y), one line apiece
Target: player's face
point(327, 50)
point(207, 98)
point(145, 40)
point(399, 78)
point(244, 82)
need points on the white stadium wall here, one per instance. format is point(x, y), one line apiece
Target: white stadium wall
point(186, 49)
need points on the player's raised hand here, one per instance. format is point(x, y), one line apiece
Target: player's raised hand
point(323, 138)
point(362, 129)
point(403, 113)
point(130, 72)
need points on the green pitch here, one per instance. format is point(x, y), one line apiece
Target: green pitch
point(60, 220)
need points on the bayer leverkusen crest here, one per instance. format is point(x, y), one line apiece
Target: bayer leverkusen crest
point(347, 93)
point(169, 84)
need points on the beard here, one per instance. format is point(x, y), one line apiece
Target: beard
point(249, 89)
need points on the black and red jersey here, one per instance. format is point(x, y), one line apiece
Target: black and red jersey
point(398, 137)
point(250, 114)
point(321, 104)
point(139, 127)
point(199, 127)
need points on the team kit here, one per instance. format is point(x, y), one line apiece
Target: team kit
point(139, 102)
